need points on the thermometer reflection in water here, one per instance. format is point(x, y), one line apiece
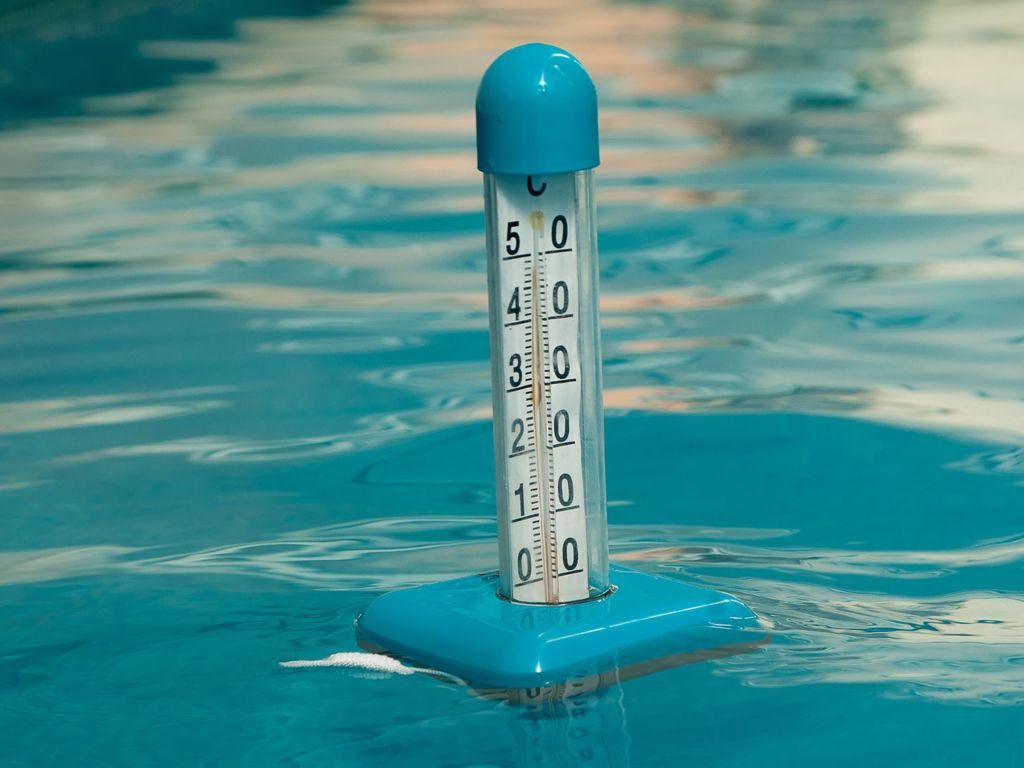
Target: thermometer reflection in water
point(546, 378)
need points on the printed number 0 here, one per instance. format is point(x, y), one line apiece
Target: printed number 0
point(561, 368)
point(559, 297)
point(570, 554)
point(524, 564)
point(565, 489)
point(558, 239)
point(561, 426)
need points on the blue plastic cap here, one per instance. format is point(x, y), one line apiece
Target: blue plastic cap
point(536, 112)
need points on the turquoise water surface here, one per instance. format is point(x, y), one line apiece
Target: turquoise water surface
point(244, 381)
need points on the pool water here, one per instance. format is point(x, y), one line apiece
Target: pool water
point(244, 381)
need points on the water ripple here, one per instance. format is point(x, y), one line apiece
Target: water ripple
point(946, 646)
point(375, 432)
point(242, 279)
point(953, 648)
point(93, 411)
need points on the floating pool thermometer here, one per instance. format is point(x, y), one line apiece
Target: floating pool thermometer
point(554, 610)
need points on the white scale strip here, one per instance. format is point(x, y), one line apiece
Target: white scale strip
point(539, 289)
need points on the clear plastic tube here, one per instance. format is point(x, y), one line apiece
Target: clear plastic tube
point(542, 272)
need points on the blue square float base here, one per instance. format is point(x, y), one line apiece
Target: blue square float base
point(463, 628)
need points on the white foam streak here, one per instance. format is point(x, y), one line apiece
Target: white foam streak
point(371, 662)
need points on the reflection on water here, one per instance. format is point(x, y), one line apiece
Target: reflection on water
point(582, 723)
point(243, 373)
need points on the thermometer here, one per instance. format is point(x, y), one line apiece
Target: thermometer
point(554, 611)
point(546, 378)
point(545, 341)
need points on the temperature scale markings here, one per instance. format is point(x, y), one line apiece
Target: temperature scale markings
point(531, 581)
point(527, 299)
point(526, 517)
